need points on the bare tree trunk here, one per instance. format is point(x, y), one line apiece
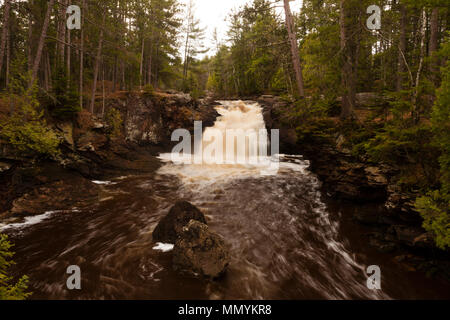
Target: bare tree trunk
point(141, 73)
point(30, 37)
point(68, 59)
point(156, 69)
point(294, 49)
point(186, 46)
point(434, 33)
point(8, 55)
point(122, 80)
point(401, 48)
point(4, 32)
point(97, 64)
point(49, 70)
point(38, 57)
point(186, 58)
point(115, 74)
point(348, 81)
point(150, 62)
point(62, 30)
point(46, 70)
point(83, 3)
point(103, 89)
point(423, 29)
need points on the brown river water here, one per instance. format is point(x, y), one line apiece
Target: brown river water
point(287, 240)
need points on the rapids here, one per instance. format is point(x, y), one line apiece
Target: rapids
point(287, 240)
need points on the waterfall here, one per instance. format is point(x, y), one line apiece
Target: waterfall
point(239, 138)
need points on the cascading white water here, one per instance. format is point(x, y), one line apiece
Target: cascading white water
point(282, 212)
point(286, 243)
point(238, 140)
point(242, 133)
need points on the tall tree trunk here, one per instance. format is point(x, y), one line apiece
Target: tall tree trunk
point(122, 81)
point(38, 56)
point(83, 4)
point(103, 88)
point(423, 29)
point(97, 64)
point(150, 62)
point(434, 33)
point(8, 55)
point(49, 70)
point(294, 49)
point(186, 57)
point(62, 31)
point(141, 70)
point(30, 37)
point(348, 77)
point(401, 48)
point(115, 74)
point(68, 59)
point(4, 32)
point(46, 70)
point(156, 69)
point(189, 19)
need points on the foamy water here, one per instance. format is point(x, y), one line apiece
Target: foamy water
point(285, 243)
point(281, 212)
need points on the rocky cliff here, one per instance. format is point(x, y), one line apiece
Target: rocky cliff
point(89, 150)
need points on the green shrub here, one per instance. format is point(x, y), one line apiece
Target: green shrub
point(66, 102)
point(115, 122)
point(26, 129)
point(434, 209)
point(396, 145)
point(148, 90)
point(8, 290)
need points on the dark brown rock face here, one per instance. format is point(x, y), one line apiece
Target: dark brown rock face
point(171, 226)
point(200, 252)
point(150, 120)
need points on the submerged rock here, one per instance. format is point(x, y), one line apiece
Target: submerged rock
point(171, 226)
point(200, 252)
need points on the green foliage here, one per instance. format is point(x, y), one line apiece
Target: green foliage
point(309, 118)
point(115, 122)
point(9, 290)
point(26, 129)
point(435, 210)
point(258, 56)
point(66, 103)
point(278, 82)
point(396, 145)
point(148, 90)
point(320, 66)
point(435, 207)
point(440, 120)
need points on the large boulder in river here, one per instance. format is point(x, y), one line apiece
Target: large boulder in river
point(201, 252)
point(171, 226)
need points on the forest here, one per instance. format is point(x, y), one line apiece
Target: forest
point(318, 60)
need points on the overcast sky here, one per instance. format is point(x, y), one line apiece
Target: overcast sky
point(213, 14)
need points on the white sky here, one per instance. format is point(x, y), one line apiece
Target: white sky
point(213, 13)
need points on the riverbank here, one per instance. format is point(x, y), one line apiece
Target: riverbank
point(394, 226)
point(91, 157)
point(91, 152)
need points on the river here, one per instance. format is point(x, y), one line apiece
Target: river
point(288, 241)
